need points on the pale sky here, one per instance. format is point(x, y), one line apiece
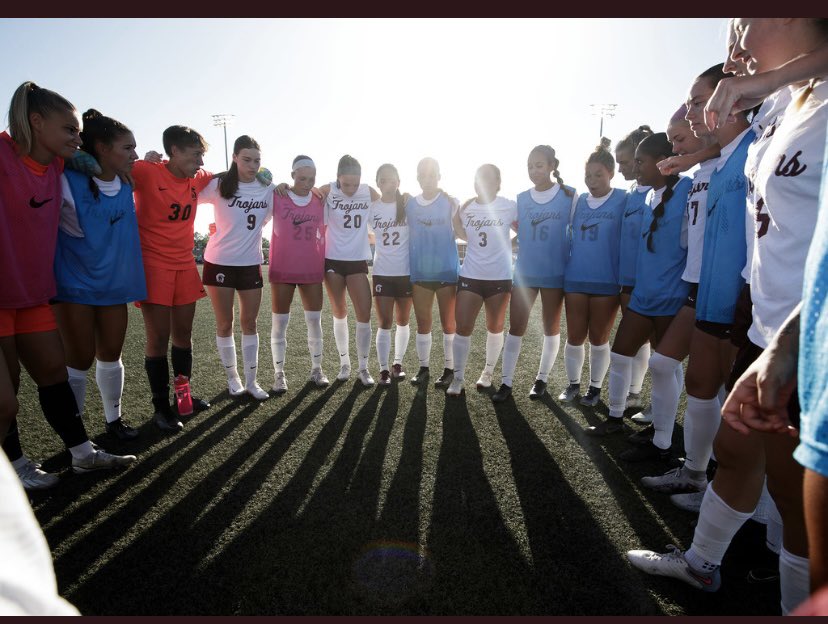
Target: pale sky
point(465, 91)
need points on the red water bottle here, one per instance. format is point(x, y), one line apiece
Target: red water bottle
point(182, 395)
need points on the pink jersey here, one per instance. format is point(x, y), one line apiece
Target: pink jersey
point(297, 248)
point(30, 199)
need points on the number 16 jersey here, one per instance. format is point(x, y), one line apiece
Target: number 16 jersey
point(166, 208)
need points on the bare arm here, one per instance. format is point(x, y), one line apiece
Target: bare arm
point(677, 164)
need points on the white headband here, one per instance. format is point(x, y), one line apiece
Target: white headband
point(304, 162)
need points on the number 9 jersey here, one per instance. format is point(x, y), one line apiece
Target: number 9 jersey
point(165, 206)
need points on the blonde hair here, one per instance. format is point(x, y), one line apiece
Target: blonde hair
point(27, 99)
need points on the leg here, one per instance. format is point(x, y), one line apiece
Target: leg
point(633, 331)
point(816, 520)
point(402, 335)
point(76, 324)
point(495, 317)
point(602, 313)
point(281, 298)
point(423, 300)
point(552, 300)
point(8, 391)
point(335, 285)
point(311, 295)
point(110, 332)
point(446, 304)
point(577, 324)
point(360, 292)
point(468, 307)
point(385, 318)
point(250, 300)
point(520, 306)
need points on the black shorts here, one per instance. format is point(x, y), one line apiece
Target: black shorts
point(238, 277)
point(435, 286)
point(346, 267)
point(747, 355)
point(721, 331)
point(391, 286)
point(743, 317)
point(690, 302)
point(484, 288)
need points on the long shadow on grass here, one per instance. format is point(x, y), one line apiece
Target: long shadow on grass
point(563, 534)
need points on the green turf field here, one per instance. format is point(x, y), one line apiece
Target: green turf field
point(366, 501)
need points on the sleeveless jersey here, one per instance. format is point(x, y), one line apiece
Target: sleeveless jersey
point(347, 219)
point(432, 248)
point(696, 216)
point(391, 249)
point(631, 234)
point(489, 245)
point(297, 247)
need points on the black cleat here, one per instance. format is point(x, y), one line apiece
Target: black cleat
point(445, 379)
point(645, 436)
point(538, 389)
point(121, 430)
point(168, 421)
point(608, 427)
point(645, 452)
point(421, 376)
point(503, 393)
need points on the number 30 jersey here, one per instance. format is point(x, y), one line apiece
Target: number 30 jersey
point(166, 208)
point(391, 249)
point(347, 220)
point(239, 221)
point(489, 244)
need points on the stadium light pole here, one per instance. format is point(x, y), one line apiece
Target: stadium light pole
point(224, 120)
point(603, 110)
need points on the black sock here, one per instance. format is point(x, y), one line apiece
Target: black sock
point(11, 445)
point(158, 372)
point(182, 361)
point(61, 411)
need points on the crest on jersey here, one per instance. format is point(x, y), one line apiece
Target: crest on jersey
point(220, 278)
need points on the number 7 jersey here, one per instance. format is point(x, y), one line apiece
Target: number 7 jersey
point(166, 208)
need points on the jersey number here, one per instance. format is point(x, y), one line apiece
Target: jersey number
point(762, 218)
point(356, 219)
point(540, 233)
point(178, 211)
point(484, 240)
point(310, 232)
point(251, 222)
point(394, 237)
point(593, 233)
point(694, 207)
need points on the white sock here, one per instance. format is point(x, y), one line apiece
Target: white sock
point(314, 322)
point(278, 341)
point(574, 362)
point(250, 355)
point(511, 351)
point(422, 342)
point(363, 344)
point(110, 378)
point(77, 381)
point(340, 328)
point(701, 423)
point(401, 337)
point(460, 350)
point(226, 346)
point(599, 361)
point(551, 345)
point(760, 514)
point(722, 395)
point(494, 343)
point(619, 383)
point(718, 523)
point(773, 530)
point(679, 373)
point(641, 362)
point(448, 351)
point(794, 580)
point(383, 347)
point(664, 397)
point(81, 450)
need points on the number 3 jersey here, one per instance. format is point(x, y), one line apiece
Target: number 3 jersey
point(391, 249)
point(489, 243)
point(239, 221)
point(166, 207)
point(297, 248)
point(347, 221)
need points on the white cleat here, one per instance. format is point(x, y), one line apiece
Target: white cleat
point(688, 502)
point(569, 394)
point(365, 378)
point(101, 460)
point(485, 381)
point(675, 481)
point(33, 478)
point(455, 387)
point(318, 378)
point(235, 386)
point(643, 417)
point(634, 400)
point(256, 391)
point(280, 383)
point(673, 564)
point(344, 372)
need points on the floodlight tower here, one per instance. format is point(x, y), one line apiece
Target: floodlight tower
point(224, 120)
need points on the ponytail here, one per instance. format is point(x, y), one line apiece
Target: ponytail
point(29, 98)
point(229, 182)
point(549, 153)
point(658, 211)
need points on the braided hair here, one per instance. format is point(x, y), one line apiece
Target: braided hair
point(549, 153)
point(658, 146)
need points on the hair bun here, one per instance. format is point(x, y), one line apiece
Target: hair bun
point(604, 146)
point(91, 114)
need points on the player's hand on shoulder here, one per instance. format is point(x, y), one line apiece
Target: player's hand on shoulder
point(153, 156)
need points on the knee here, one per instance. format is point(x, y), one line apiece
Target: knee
point(662, 365)
point(249, 326)
point(224, 328)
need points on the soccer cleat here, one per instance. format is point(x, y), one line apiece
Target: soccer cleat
point(365, 378)
point(200, 405)
point(645, 452)
point(455, 387)
point(538, 389)
point(503, 393)
point(645, 436)
point(633, 400)
point(318, 378)
point(385, 378)
point(675, 481)
point(235, 386)
point(33, 478)
point(674, 564)
point(121, 430)
point(397, 371)
point(256, 391)
point(445, 379)
point(344, 372)
point(688, 502)
point(572, 391)
point(101, 460)
point(279, 383)
point(167, 421)
point(643, 417)
point(608, 427)
point(421, 376)
point(592, 397)
point(485, 381)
